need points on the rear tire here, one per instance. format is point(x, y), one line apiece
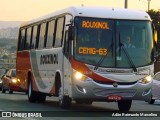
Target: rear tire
point(35, 96)
point(41, 98)
point(124, 105)
point(32, 97)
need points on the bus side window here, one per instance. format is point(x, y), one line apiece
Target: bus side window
point(28, 38)
point(59, 32)
point(42, 36)
point(34, 36)
point(66, 50)
point(51, 34)
point(21, 40)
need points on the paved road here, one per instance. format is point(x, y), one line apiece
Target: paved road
point(18, 103)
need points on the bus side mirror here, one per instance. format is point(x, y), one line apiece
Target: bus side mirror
point(71, 31)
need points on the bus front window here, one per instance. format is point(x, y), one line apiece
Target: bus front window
point(104, 42)
point(134, 39)
point(94, 40)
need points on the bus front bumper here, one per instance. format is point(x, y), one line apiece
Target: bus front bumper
point(91, 90)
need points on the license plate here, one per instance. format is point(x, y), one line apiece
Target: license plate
point(114, 97)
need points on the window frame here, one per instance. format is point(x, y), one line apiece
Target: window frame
point(58, 43)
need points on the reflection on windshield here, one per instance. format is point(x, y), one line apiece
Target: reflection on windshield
point(99, 38)
point(123, 46)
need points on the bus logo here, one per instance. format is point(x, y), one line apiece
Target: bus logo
point(115, 84)
point(49, 59)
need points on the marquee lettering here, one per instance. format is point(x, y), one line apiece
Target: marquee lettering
point(92, 51)
point(96, 25)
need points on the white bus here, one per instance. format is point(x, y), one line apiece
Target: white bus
point(80, 54)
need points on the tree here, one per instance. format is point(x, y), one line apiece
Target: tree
point(155, 16)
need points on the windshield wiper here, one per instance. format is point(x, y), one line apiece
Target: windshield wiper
point(121, 45)
point(102, 58)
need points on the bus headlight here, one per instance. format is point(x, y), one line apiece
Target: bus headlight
point(146, 80)
point(79, 76)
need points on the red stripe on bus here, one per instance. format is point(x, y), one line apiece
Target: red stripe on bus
point(24, 68)
point(81, 67)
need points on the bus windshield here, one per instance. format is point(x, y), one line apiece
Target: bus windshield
point(102, 42)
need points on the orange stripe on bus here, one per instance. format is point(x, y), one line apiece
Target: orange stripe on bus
point(81, 67)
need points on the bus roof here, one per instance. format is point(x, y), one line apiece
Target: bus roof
point(97, 12)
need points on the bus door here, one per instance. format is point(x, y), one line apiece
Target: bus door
point(67, 71)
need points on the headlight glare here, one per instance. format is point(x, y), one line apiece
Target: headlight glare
point(79, 76)
point(146, 80)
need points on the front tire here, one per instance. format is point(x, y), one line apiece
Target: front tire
point(64, 101)
point(151, 101)
point(124, 105)
point(80, 101)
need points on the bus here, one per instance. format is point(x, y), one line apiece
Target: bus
point(78, 54)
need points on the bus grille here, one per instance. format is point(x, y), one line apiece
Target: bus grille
point(120, 92)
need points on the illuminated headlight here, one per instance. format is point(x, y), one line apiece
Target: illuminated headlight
point(79, 76)
point(146, 80)
point(14, 80)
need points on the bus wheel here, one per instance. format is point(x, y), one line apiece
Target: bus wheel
point(64, 101)
point(32, 97)
point(124, 105)
point(79, 102)
point(88, 102)
point(151, 101)
point(41, 97)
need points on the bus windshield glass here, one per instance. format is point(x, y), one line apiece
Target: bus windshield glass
point(113, 43)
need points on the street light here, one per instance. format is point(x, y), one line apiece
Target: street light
point(126, 4)
point(149, 4)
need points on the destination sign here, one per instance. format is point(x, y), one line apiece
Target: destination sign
point(95, 24)
point(92, 51)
